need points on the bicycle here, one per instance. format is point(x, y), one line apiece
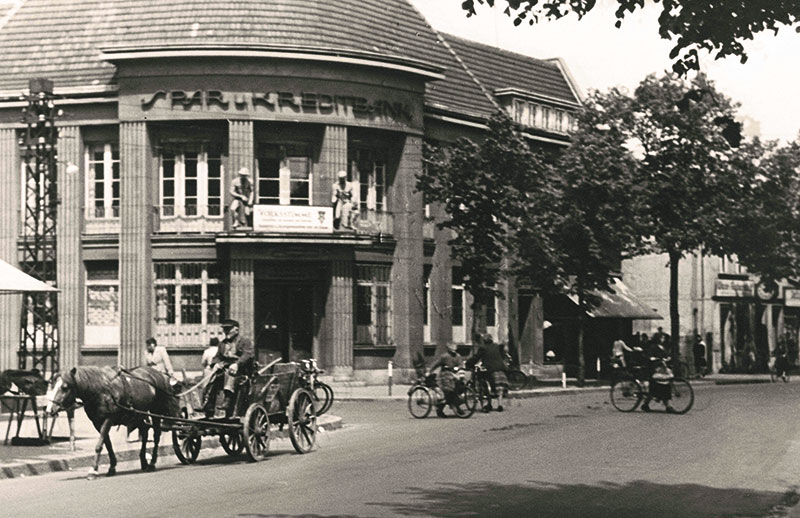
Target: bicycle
point(479, 383)
point(426, 394)
point(321, 391)
point(627, 391)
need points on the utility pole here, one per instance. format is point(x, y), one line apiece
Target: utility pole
point(38, 348)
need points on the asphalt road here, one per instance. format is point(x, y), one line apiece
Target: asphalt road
point(737, 453)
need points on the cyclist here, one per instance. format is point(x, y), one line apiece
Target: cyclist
point(447, 363)
point(657, 356)
point(493, 361)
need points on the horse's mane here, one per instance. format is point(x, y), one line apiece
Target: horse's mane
point(90, 379)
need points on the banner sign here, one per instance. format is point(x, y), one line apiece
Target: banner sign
point(292, 219)
point(735, 288)
point(792, 296)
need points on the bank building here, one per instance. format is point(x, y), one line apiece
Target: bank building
point(162, 105)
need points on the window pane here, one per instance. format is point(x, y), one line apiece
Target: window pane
point(382, 315)
point(458, 306)
point(102, 305)
point(191, 304)
point(214, 304)
point(192, 271)
point(165, 304)
point(363, 305)
point(299, 194)
point(165, 270)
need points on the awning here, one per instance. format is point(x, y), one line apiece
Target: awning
point(620, 303)
point(13, 280)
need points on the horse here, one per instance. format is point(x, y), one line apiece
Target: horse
point(108, 394)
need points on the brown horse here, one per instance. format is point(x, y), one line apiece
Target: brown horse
point(108, 394)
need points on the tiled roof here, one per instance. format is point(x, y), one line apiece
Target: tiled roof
point(497, 69)
point(62, 40)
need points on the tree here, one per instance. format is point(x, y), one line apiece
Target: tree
point(480, 187)
point(685, 174)
point(764, 231)
point(720, 27)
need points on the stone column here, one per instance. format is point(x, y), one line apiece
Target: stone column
point(10, 305)
point(242, 291)
point(69, 259)
point(407, 269)
point(241, 152)
point(441, 285)
point(137, 185)
point(339, 308)
point(333, 158)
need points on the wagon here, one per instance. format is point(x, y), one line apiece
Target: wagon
point(273, 397)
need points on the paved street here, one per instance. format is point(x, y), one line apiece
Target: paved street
point(737, 453)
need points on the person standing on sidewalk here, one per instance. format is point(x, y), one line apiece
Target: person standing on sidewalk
point(157, 358)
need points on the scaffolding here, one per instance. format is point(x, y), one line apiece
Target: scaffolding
point(38, 347)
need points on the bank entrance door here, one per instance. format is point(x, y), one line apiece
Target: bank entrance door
point(284, 321)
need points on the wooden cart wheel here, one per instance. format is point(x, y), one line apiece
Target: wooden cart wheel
point(301, 415)
point(232, 443)
point(256, 432)
point(186, 445)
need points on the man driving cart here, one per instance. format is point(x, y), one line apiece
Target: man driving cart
point(234, 359)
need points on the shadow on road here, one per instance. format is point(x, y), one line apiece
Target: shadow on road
point(545, 500)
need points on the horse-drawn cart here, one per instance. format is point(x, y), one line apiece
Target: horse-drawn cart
point(273, 396)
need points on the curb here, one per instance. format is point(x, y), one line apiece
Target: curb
point(84, 460)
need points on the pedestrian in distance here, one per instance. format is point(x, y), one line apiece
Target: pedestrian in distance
point(618, 350)
point(700, 362)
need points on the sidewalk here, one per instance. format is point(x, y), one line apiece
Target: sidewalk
point(22, 461)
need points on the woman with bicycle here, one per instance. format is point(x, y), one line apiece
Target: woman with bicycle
point(494, 363)
point(658, 357)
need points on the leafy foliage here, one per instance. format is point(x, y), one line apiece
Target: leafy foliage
point(720, 27)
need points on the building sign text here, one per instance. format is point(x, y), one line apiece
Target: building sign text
point(292, 219)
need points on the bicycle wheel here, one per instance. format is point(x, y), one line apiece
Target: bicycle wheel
point(516, 379)
point(484, 395)
point(324, 394)
point(682, 395)
point(465, 402)
point(420, 402)
point(626, 394)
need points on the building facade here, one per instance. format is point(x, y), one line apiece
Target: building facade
point(160, 109)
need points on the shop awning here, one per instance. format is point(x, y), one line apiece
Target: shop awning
point(13, 280)
point(620, 303)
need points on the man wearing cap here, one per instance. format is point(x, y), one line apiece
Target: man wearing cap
point(342, 199)
point(235, 355)
point(242, 192)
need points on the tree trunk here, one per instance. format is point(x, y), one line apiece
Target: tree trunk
point(581, 324)
point(674, 315)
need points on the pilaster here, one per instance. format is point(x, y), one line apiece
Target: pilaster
point(69, 260)
point(241, 152)
point(407, 269)
point(135, 252)
point(333, 158)
point(340, 308)
point(9, 234)
point(242, 290)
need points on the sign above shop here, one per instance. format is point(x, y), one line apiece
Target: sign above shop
point(734, 288)
point(792, 296)
point(278, 102)
point(292, 219)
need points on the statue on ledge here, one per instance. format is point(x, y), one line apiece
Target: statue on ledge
point(242, 205)
point(342, 199)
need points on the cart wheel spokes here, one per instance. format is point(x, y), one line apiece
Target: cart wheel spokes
point(186, 445)
point(232, 443)
point(302, 420)
point(256, 432)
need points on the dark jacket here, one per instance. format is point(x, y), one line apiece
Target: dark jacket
point(491, 356)
point(244, 353)
point(447, 361)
